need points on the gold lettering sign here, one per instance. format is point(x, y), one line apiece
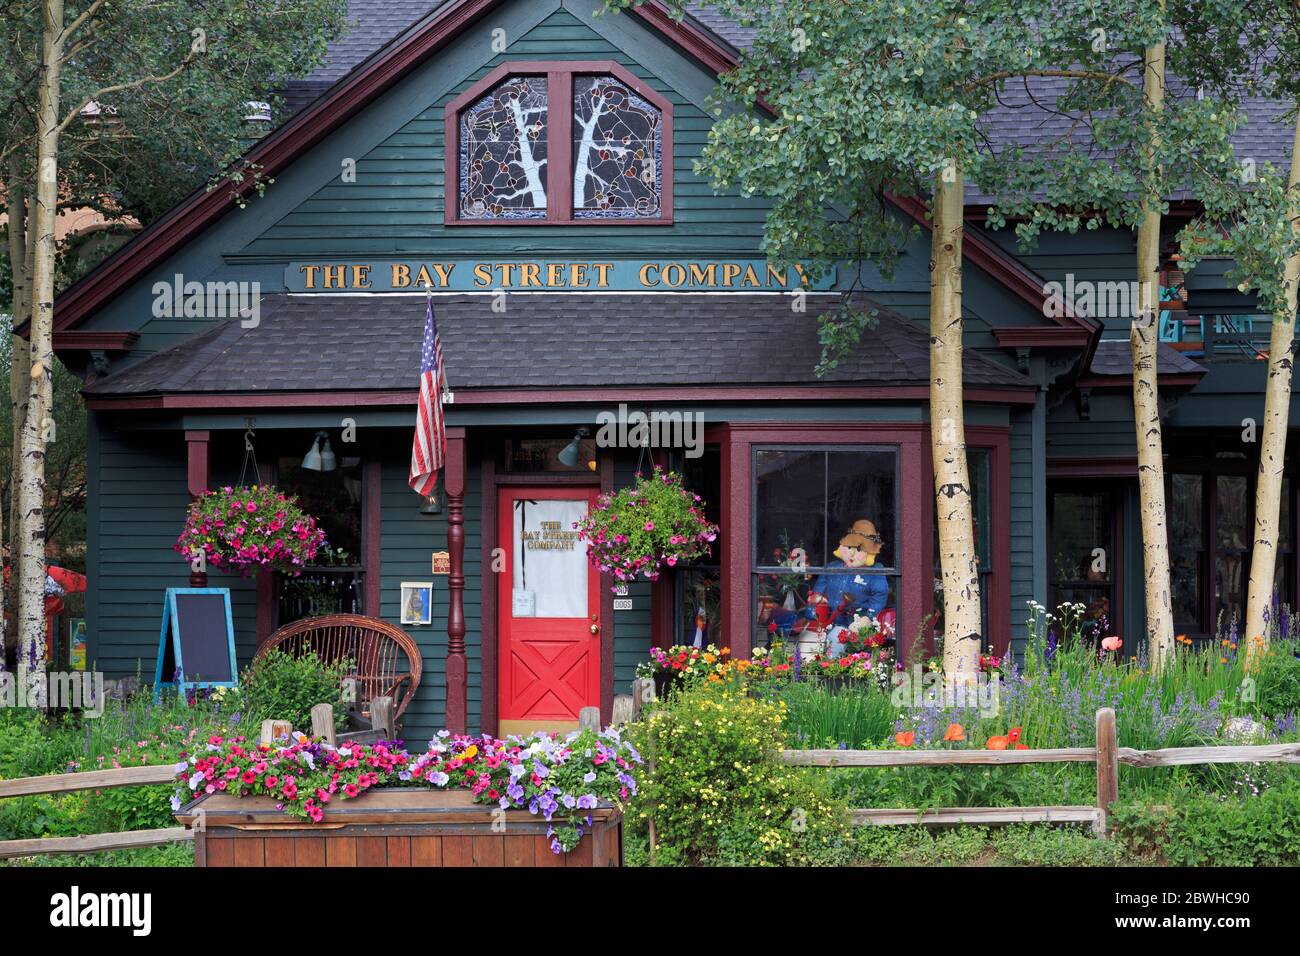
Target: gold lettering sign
point(441, 562)
point(551, 537)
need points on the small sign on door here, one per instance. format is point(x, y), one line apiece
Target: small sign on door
point(524, 604)
point(622, 604)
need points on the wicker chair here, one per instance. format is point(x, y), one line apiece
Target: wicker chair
point(375, 647)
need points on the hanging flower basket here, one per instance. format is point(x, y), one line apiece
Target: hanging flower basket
point(243, 529)
point(637, 532)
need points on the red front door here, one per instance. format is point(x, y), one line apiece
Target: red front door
point(548, 609)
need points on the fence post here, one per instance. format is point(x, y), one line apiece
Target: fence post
point(1107, 765)
point(322, 723)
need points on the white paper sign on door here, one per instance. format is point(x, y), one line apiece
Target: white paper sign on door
point(549, 560)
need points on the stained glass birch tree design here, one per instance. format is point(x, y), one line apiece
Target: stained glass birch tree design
point(503, 152)
point(617, 151)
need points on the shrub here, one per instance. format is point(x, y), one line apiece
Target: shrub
point(280, 686)
point(1198, 829)
point(1278, 683)
point(717, 793)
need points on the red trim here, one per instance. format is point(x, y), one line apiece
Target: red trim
point(372, 535)
point(94, 341)
point(453, 478)
point(1185, 379)
point(703, 46)
point(1009, 395)
point(1092, 467)
point(607, 623)
point(559, 165)
point(196, 460)
point(1011, 337)
point(488, 686)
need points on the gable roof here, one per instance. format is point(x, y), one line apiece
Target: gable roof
point(679, 340)
point(373, 76)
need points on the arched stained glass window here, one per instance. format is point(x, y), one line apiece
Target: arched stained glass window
point(617, 151)
point(503, 152)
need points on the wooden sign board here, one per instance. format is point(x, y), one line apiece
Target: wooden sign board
point(442, 562)
point(196, 646)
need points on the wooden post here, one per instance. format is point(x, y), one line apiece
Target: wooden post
point(623, 710)
point(381, 717)
point(643, 691)
point(196, 444)
point(1107, 765)
point(322, 723)
point(589, 718)
point(273, 730)
point(453, 478)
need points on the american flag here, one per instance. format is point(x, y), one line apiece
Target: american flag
point(430, 448)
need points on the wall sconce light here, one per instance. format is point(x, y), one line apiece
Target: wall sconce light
point(320, 457)
point(571, 454)
point(433, 502)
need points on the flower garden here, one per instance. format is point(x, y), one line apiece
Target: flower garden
point(697, 774)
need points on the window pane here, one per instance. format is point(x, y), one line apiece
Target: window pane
point(503, 152)
point(1082, 526)
point(790, 503)
point(549, 566)
point(1185, 581)
point(1186, 532)
point(617, 151)
point(1232, 520)
point(860, 500)
point(699, 611)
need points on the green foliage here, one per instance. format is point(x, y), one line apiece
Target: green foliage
point(1278, 682)
point(171, 855)
point(1204, 830)
point(188, 67)
point(279, 686)
point(717, 793)
point(851, 717)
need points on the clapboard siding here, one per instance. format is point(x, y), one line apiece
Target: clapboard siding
point(408, 541)
point(631, 628)
point(140, 500)
point(1023, 529)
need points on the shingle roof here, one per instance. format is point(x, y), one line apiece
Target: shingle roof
point(1022, 115)
point(1115, 357)
point(357, 343)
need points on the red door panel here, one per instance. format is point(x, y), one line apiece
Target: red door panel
point(548, 604)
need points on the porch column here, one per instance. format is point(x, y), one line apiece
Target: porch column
point(196, 444)
point(737, 600)
point(453, 479)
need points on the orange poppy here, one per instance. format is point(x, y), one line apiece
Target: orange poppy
point(1013, 735)
point(905, 738)
point(996, 743)
point(954, 732)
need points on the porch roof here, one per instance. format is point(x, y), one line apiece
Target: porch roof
point(542, 341)
point(1115, 357)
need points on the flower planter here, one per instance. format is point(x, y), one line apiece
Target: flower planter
point(399, 826)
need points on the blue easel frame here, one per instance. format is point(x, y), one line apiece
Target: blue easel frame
point(171, 625)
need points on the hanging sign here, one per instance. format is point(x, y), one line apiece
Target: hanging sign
point(549, 275)
point(442, 562)
point(196, 646)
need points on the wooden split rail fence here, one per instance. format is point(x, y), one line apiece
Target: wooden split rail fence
point(1106, 756)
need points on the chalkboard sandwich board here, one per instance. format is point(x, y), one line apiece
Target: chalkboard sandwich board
point(196, 647)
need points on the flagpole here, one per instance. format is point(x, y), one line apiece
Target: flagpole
point(447, 397)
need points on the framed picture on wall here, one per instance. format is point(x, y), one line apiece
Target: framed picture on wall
point(417, 602)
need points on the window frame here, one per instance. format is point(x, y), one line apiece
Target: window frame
point(893, 573)
point(560, 77)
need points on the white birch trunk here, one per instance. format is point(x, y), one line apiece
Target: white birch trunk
point(1144, 341)
point(957, 558)
point(21, 232)
point(1272, 450)
point(31, 489)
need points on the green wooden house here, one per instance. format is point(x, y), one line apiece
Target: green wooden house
point(526, 168)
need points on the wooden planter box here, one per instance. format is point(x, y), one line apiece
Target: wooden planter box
point(389, 827)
